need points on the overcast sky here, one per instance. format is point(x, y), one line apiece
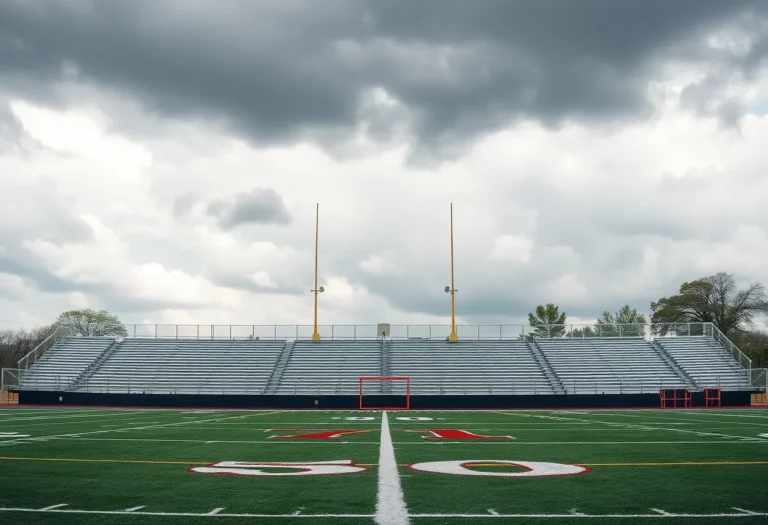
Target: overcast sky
point(162, 158)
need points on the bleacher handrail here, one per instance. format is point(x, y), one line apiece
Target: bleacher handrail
point(731, 348)
point(33, 355)
point(499, 332)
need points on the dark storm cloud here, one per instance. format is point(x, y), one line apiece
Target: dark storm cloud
point(28, 269)
point(258, 206)
point(278, 70)
point(39, 209)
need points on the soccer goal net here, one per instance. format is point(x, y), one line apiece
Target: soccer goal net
point(385, 393)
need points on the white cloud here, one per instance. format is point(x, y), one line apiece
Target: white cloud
point(381, 264)
point(82, 134)
point(567, 287)
point(512, 248)
point(589, 218)
point(11, 286)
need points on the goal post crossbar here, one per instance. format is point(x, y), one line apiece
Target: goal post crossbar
point(407, 395)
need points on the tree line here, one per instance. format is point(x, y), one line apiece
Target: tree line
point(714, 299)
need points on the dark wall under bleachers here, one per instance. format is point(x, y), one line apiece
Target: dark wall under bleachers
point(351, 402)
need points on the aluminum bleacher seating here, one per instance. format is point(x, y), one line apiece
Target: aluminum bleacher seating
point(186, 367)
point(330, 367)
point(469, 367)
point(63, 363)
point(466, 367)
point(706, 361)
point(597, 366)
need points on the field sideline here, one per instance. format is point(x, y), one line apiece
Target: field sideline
point(131, 466)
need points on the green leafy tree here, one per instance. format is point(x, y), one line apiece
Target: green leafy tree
point(626, 322)
point(89, 322)
point(754, 344)
point(547, 321)
point(587, 331)
point(715, 299)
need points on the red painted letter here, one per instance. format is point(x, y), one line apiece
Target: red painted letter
point(329, 434)
point(449, 433)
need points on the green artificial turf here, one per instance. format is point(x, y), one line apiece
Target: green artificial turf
point(699, 462)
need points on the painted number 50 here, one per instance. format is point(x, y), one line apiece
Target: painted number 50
point(531, 469)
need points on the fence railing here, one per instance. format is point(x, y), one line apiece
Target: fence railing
point(737, 354)
point(758, 378)
point(396, 331)
point(37, 352)
point(10, 379)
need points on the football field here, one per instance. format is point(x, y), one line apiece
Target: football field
point(137, 466)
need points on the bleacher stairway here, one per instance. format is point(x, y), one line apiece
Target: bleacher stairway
point(330, 367)
point(608, 366)
point(194, 366)
point(58, 368)
point(469, 367)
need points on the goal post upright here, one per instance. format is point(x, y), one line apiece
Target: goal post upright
point(405, 379)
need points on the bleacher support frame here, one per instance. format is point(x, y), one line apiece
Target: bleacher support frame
point(712, 398)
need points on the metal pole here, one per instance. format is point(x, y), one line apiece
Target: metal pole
point(453, 336)
point(315, 335)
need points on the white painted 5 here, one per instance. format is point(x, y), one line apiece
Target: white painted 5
point(243, 468)
point(535, 468)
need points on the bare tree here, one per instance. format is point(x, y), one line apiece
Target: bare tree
point(714, 299)
point(15, 344)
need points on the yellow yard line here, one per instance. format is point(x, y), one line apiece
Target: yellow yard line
point(262, 414)
point(654, 464)
point(80, 460)
point(673, 464)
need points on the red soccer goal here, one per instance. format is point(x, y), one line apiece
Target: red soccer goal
point(385, 392)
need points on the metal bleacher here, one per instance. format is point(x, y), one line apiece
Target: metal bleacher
point(186, 366)
point(63, 363)
point(706, 361)
point(597, 366)
point(330, 367)
point(469, 367)
point(435, 366)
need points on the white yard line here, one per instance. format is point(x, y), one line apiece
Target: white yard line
point(688, 418)
point(147, 427)
point(134, 418)
point(742, 513)
point(73, 416)
point(390, 503)
point(647, 427)
point(716, 415)
point(425, 442)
